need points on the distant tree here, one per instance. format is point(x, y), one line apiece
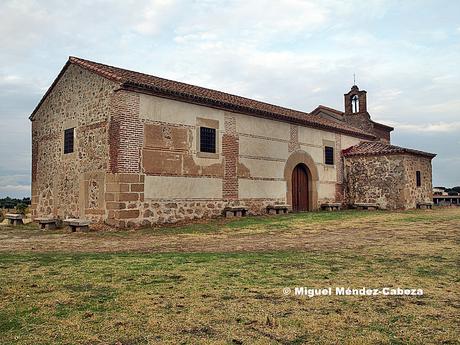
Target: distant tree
point(21, 208)
point(456, 188)
point(12, 203)
point(443, 188)
point(452, 193)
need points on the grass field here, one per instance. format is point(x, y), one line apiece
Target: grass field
point(221, 282)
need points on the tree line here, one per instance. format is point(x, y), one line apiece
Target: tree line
point(13, 202)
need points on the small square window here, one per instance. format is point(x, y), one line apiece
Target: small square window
point(208, 139)
point(418, 178)
point(329, 155)
point(68, 140)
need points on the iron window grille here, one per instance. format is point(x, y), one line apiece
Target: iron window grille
point(207, 139)
point(68, 140)
point(329, 155)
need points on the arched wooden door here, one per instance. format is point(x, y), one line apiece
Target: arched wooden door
point(300, 188)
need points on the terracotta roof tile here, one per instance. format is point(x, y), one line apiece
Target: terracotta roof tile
point(323, 107)
point(145, 83)
point(372, 148)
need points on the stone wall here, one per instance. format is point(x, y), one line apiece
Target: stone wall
point(383, 133)
point(61, 185)
point(414, 194)
point(388, 180)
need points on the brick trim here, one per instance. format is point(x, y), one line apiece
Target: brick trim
point(126, 132)
point(230, 152)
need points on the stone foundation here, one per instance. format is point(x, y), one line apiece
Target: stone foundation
point(153, 212)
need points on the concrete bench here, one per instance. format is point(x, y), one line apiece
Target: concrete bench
point(235, 211)
point(278, 209)
point(425, 205)
point(77, 224)
point(14, 219)
point(331, 206)
point(47, 223)
point(366, 206)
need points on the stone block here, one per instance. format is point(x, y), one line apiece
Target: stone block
point(115, 205)
point(117, 187)
point(127, 214)
point(137, 187)
point(129, 178)
point(109, 197)
point(128, 197)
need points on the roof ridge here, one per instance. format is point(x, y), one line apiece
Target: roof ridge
point(330, 108)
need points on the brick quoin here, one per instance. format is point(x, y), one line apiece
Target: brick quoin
point(339, 189)
point(125, 133)
point(230, 151)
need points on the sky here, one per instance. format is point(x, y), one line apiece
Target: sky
point(298, 54)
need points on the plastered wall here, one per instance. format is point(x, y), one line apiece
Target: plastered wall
point(263, 149)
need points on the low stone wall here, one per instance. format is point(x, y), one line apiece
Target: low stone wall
point(154, 212)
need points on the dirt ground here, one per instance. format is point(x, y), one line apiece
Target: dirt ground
point(309, 231)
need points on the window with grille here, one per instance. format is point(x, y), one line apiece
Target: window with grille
point(418, 178)
point(329, 155)
point(68, 140)
point(207, 139)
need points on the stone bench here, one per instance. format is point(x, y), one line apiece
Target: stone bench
point(77, 224)
point(366, 206)
point(331, 206)
point(278, 209)
point(425, 205)
point(47, 223)
point(14, 219)
point(235, 211)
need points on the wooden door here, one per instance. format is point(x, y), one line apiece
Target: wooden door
point(300, 188)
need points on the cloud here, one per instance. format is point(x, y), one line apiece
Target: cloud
point(440, 127)
point(10, 190)
point(15, 185)
point(155, 14)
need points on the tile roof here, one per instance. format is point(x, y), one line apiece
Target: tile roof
point(321, 107)
point(144, 83)
point(373, 148)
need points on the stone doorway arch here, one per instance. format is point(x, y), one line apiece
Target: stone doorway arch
point(303, 158)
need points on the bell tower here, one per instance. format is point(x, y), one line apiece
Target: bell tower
point(356, 109)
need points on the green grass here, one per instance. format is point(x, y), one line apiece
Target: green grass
point(279, 222)
point(195, 297)
point(69, 297)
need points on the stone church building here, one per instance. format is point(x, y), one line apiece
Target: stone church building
point(126, 148)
